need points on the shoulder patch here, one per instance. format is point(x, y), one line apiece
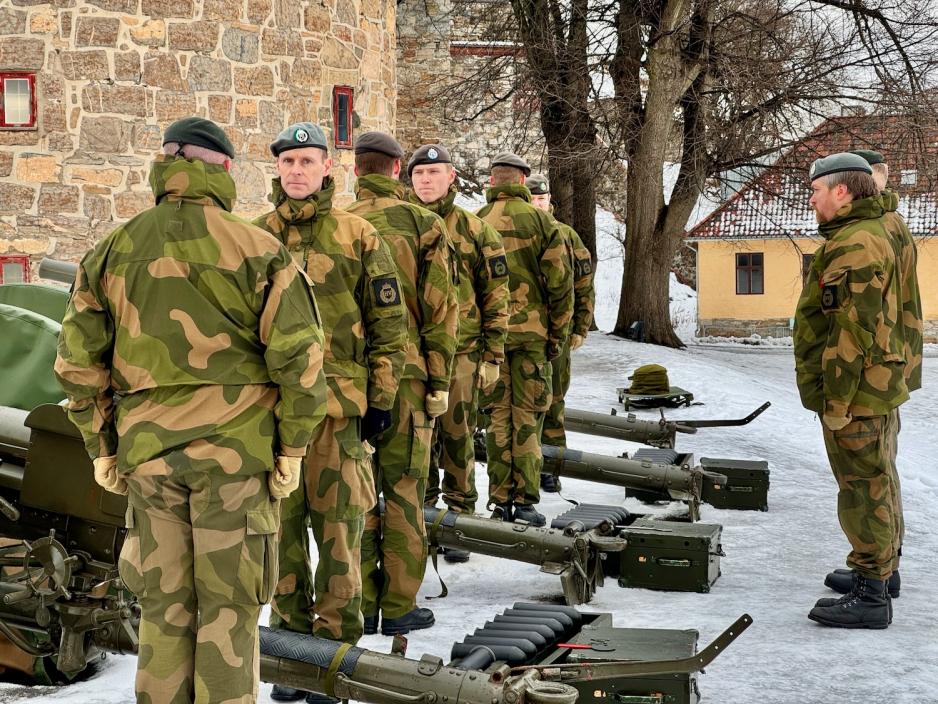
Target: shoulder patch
point(498, 266)
point(387, 292)
point(584, 267)
point(829, 297)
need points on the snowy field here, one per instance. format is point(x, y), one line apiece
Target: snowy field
point(775, 562)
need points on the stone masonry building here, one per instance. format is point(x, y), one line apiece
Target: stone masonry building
point(87, 86)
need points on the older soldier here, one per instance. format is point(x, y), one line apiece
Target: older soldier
point(482, 292)
point(541, 285)
point(911, 319)
point(394, 547)
point(583, 302)
point(191, 354)
point(364, 356)
point(850, 370)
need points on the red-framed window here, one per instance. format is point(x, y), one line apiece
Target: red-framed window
point(17, 99)
point(342, 107)
point(750, 275)
point(14, 268)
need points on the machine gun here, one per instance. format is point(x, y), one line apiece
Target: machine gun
point(63, 600)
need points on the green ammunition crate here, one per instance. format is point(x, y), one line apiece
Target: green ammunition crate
point(636, 644)
point(747, 488)
point(670, 555)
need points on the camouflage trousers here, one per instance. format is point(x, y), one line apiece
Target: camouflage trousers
point(336, 491)
point(517, 405)
point(394, 546)
point(554, 433)
point(201, 556)
point(868, 504)
point(452, 451)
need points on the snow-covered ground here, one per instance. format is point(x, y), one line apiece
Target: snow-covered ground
point(775, 562)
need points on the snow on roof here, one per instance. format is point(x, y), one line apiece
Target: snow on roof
point(774, 205)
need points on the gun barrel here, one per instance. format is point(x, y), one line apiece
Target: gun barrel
point(14, 435)
point(628, 428)
point(58, 270)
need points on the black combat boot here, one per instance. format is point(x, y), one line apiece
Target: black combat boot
point(550, 483)
point(415, 620)
point(456, 555)
point(502, 512)
point(842, 581)
point(317, 698)
point(287, 694)
point(371, 625)
point(529, 514)
point(867, 606)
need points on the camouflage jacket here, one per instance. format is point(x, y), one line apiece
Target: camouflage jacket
point(420, 247)
point(349, 265)
point(183, 297)
point(847, 337)
point(584, 297)
point(540, 278)
point(482, 289)
point(910, 299)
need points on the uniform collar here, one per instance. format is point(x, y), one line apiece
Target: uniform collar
point(862, 209)
point(314, 206)
point(379, 186)
point(508, 191)
point(177, 178)
point(442, 207)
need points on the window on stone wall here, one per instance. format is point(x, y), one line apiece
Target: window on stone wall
point(342, 115)
point(749, 273)
point(14, 268)
point(17, 100)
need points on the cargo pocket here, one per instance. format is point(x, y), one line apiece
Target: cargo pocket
point(130, 564)
point(358, 494)
point(420, 439)
point(531, 384)
point(257, 572)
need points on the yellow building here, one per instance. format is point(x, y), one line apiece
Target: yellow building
point(753, 251)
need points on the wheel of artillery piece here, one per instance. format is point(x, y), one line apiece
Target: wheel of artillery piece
point(51, 577)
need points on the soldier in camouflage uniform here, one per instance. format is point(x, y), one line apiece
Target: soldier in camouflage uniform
point(191, 354)
point(394, 547)
point(482, 292)
point(911, 321)
point(541, 286)
point(364, 356)
point(583, 303)
point(850, 370)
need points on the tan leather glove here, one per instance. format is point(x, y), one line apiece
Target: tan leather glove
point(488, 375)
point(105, 474)
point(285, 478)
point(576, 341)
point(436, 403)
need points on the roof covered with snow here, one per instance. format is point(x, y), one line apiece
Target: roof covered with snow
point(774, 205)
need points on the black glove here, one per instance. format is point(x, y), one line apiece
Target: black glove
point(374, 423)
point(553, 351)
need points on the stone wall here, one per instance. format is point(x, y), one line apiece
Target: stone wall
point(112, 74)
point(732, 327)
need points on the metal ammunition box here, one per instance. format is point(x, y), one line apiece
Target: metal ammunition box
point(669, 555)
point(747, 487)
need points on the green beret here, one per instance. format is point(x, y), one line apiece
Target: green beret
point(428, 154)
point(297, 136)
point(201, 133)
point(513, 160)
point(836, 163)
point(870, 156)
point(378, 142)
point(537, 184)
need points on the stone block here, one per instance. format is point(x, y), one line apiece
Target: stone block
point(149, 33)
point(65, 25)
point(22, 53)
point(146, 138)
point(128, 7)
point(12, 21)
point(127, 66)
point(258, 11)
point(335, 54)
point(240, 45)
point(90, 176)
point(89, 65)
point(209, 74)
point(60, 142)
point(6, 163)
point(317, 18)
point(161, 70)
point(257, 80)
point(56, 198)
point(125, 100)
point(193, 36)
point(128, 204)
point(97, 31)
point(168, 8)
point(299, 110)
point(15, 198)
point(306, 74)
point(219, 108)
point(37, 168)
point(287, 14)
point(224, 10)
point(172, 105)
point(246, 113)
point(43, 22)
point(279, 42)
point(270, 117)
point(347, 13)
point(97, 207)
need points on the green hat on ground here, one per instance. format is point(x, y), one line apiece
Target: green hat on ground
point(201, 133)
point(870, 156)
point(650, 379)
point(537, 184)
point(513, 160)
point(428, 154)
point(297, 136)
point(836, 163)
point(378, 142)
